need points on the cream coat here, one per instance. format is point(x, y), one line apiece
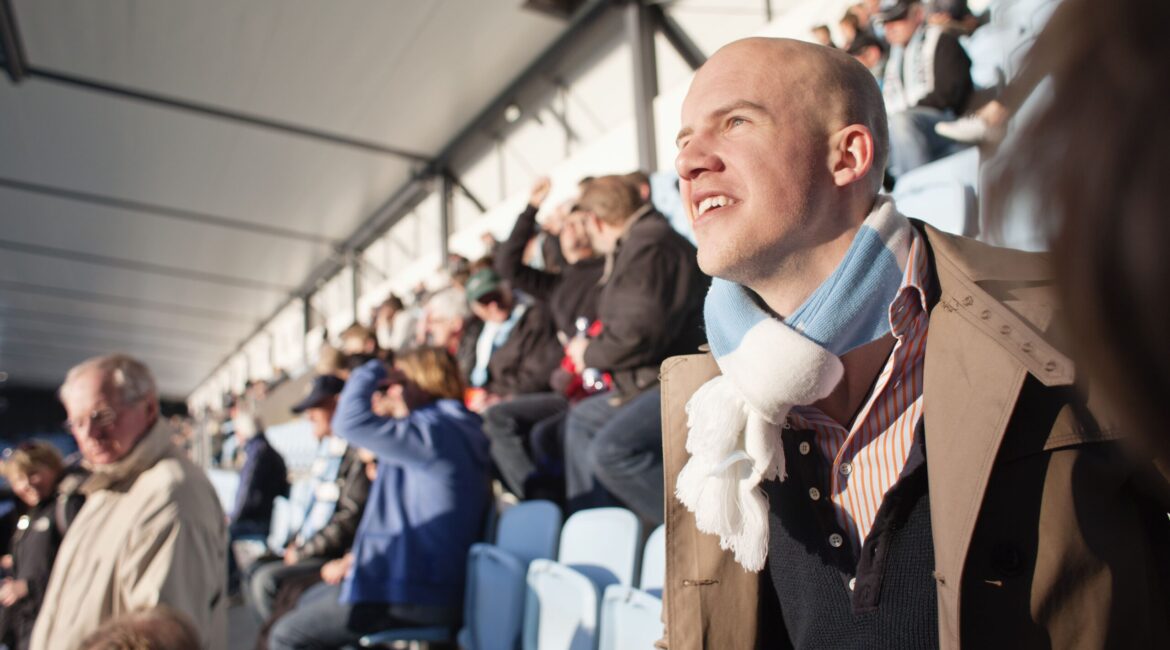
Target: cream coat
point(151, 531)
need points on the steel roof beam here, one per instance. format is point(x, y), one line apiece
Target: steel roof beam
point(110, 300)
point(137, 266)
point(208, 110)
point(164, 211)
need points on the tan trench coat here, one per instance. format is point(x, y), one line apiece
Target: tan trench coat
point(151, 531)
point(1013, 462)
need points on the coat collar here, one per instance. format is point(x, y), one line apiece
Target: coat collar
point(150, 449)
point(989, 329)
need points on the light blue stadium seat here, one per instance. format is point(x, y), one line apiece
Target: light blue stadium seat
point(279, 526)
point(653, 576)
point(530, 530)
point(942, 193)
point(225, 482)
point(598, 548)
point(494, 599)
point(631, 619)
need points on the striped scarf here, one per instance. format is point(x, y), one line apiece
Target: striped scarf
point(768, 366)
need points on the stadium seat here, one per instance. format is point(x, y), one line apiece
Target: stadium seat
point(942, 193)
point(653, 576)
point(530, 530)
point(564, 597)
point(494, 598)
point(615, 561)
point(225, 482)
point(630, 618)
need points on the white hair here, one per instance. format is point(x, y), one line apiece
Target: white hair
point(449, 303)
point(132, 380)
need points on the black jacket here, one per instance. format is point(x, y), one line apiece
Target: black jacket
point(570, 294)
point(952, 76)
point(651, 305)
point(335, 538)
point(263, 478)
point(524, 362)
point(34, 547)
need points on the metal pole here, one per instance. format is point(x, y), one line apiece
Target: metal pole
point(445, 187)
point(640, 34)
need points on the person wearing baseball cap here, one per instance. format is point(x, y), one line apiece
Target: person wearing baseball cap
point(340, 490)
point(927, 80)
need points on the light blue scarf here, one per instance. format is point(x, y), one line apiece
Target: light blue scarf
point(768, 366)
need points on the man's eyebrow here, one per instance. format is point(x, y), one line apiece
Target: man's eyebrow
point(737, 105)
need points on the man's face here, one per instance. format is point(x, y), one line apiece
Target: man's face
point(898, 32)
point(574, 239)
point(34, 487)
point(319, 417)
point(105, 428)
point(601, 235)
point(748, 163)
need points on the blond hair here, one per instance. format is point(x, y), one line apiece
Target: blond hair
point(611, 198)
point(28, 457)
point(433, 370)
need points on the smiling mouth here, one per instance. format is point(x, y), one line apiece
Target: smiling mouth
point(713, 203)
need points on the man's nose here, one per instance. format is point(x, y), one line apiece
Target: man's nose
point(696, 157)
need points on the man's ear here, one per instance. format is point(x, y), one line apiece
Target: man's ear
point(850, 154)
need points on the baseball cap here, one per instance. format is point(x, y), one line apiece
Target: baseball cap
point(484, 281)
point(894, 10)
point(322, 388)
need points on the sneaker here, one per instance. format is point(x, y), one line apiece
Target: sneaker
point(968, 130)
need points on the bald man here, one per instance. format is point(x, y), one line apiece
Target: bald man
point(883, 448)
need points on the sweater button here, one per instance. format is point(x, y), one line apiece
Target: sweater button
point(846, 469)
point(836, 541)
point(814, 494)
point(804, 448)
point(852, 583)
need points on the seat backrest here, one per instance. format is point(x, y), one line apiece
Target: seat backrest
point(630, 618)
point(561, 608)
point(530, 530)
point(225, 482)
point(602, 543)
point(495, 599)
point(653, 576)
point(279, 530)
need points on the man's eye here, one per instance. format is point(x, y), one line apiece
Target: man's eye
point(736, 121)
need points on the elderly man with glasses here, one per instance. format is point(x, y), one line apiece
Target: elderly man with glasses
point(151, 531)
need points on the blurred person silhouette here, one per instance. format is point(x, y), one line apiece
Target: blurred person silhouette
point(263, 477)
point(37, 474)
point(822, 36)
point(510, 348)
point(151, 530)
point(571, 295)
point(427, 506)
point(340, 490)
point(1094, 159)
point(927, 80)
point(650, 308)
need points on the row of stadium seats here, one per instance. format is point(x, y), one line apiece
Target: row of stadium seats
point(589, 585)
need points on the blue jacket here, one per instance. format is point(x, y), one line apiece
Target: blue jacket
point(427, 504)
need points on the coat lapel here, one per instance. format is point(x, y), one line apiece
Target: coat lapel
point(978, 354)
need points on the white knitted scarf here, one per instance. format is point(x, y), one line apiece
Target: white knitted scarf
point(768, 366)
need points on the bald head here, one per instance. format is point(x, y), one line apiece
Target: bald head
point(781, 153)
point(824, 86)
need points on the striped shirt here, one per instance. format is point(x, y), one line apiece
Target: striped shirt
point(868, 458)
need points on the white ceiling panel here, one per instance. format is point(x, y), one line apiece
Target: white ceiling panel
point(130, 225)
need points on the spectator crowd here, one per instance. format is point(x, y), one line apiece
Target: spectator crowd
point(794, 445)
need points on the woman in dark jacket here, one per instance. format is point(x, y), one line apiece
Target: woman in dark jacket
point(37, 474)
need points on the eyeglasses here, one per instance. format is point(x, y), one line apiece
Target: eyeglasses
point(100, 418)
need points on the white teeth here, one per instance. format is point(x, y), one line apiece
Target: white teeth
point(717, 201)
